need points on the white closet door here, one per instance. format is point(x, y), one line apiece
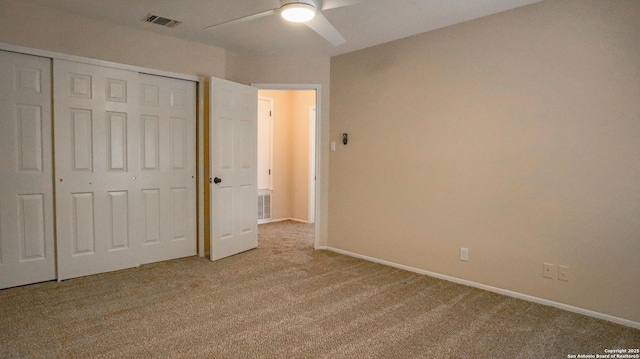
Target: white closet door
point(125, 157)
point(27, 252)
point(96, 133)
point(167, 168)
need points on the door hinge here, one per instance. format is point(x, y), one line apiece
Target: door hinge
point(269, 113)
point(269, 170)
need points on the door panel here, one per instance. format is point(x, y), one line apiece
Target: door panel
point(117, 141)
point(234, 200)
point(179, 213)
point(150, 139)
point(82, 220)
point(29, 121)
point(82, 140)
point(27, 252)
point(31, 214)
point(119, 219)
point(151, 212)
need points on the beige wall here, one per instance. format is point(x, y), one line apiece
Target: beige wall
point(290, 172)
point(515, 135)
point(37, 27)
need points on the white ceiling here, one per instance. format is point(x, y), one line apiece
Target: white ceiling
point(366, 24)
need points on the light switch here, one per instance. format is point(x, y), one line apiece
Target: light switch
point(333, 146)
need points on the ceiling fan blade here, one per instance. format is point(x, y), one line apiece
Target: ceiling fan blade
point(243, 19)
point(324, 28)
point(332, 4)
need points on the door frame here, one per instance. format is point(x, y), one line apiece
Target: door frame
point(270, 100)
point(318, 153)
point(313, 149)
point(200, 96)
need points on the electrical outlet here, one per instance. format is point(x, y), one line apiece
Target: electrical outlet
point(464, 254)
point(547, 270)
point(563, 273)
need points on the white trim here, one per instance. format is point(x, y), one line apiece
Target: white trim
point(200, 180)
point(318, 88)
point(529, 298)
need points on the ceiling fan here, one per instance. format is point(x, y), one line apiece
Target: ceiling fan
point(304, 11)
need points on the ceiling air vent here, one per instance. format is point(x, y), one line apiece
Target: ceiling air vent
point(155, 19)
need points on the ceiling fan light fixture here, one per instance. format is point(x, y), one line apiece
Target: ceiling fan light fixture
point(298, 12)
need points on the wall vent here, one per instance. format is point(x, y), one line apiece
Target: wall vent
point(264, 207)
point(159, 20)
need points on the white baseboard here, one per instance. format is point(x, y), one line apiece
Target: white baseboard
point(529, 298)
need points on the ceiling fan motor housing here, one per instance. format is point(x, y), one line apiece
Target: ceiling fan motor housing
point(311, 3)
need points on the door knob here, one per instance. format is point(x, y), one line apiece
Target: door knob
point(217, 180)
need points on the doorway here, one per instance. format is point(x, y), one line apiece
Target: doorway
point(292, 164)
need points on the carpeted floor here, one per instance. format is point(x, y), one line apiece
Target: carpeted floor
point(286, 300)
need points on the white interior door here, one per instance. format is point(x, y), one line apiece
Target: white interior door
point(96, 133)
point(233, 156)
point(168, 168)
point(27, 252)
point(265, 133)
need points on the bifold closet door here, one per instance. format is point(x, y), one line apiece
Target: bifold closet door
point(27, 253)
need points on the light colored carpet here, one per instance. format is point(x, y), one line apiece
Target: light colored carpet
point(286, 300)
